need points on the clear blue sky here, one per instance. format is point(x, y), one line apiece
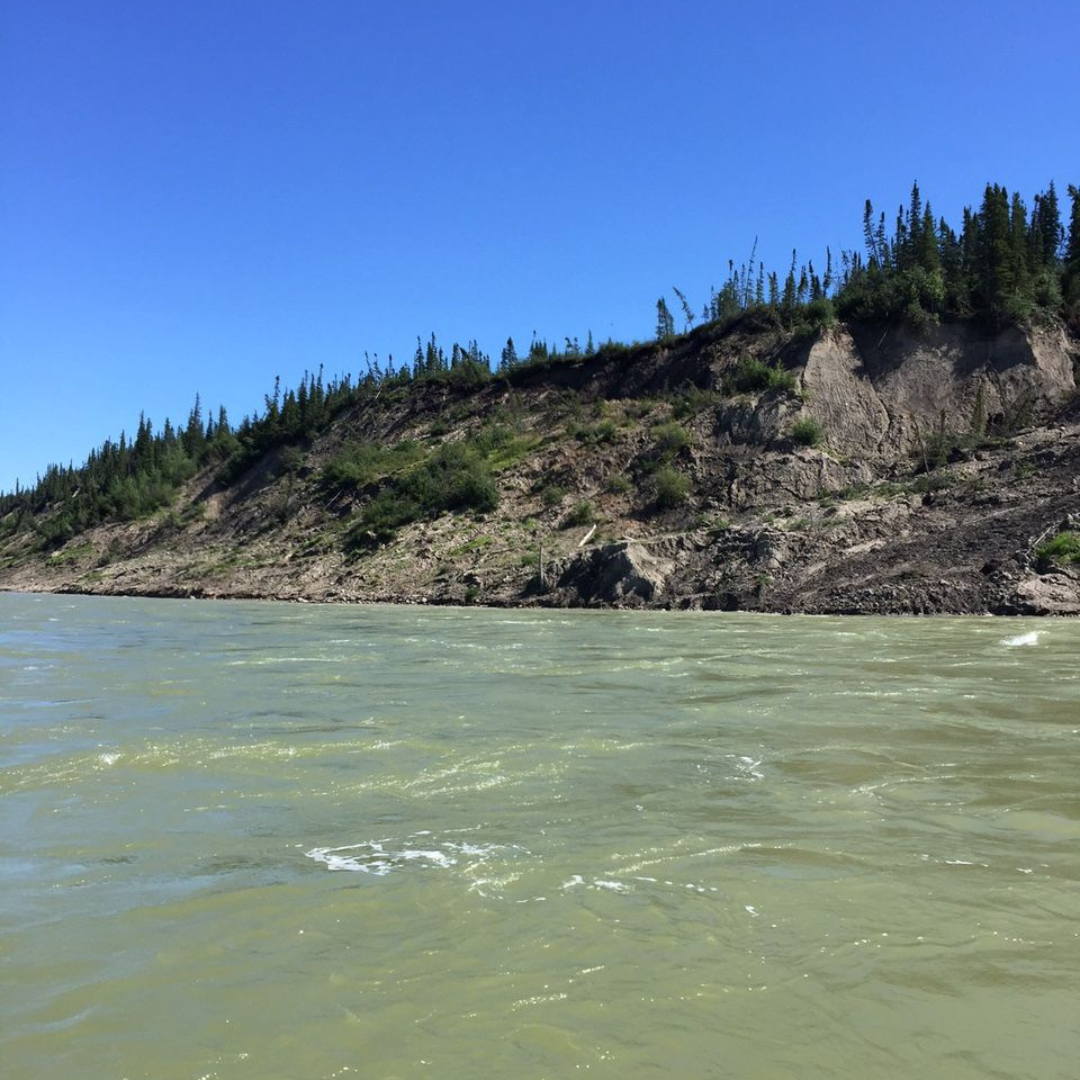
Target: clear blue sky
point(198, 195)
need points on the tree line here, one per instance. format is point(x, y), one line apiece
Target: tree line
point(1006, 264)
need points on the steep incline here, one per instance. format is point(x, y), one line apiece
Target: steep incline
point(864, 469)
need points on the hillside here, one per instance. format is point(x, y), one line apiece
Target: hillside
point(863, 467)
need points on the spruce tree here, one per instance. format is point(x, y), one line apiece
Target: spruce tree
point(927, 254)
point(995, 280)
point(1019, 304)
point(688, 315)
point(665, 322)
point(509, 358)
point(1070, 285)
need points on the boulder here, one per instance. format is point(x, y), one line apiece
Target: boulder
point(1049, 594)
point(617, 573)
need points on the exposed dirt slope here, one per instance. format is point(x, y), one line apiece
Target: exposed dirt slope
point(903, 507)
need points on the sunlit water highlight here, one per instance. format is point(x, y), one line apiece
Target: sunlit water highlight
point(261, 841)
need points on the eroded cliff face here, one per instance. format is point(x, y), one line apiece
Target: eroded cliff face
point(887, 393)
point(904, 506)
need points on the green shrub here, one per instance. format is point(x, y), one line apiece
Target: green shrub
point(1058, 551)
point(691, 400)
point(620, 484)
point(671, 488)
point(669, 440)
point(938, 480)
point(552, 495)
point(584, 513)
point(941, 448)
point(491, 437)
point(753, 376)
point(468, 375)
point(808, 431)
point(455, 477)
point(593, 434)
point(819, 314)
point(639, 408)
point(358, 464)
point(500, 445)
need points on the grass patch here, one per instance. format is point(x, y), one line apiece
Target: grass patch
point(714, 526)
point(753, 376)
point(361, 463)
point(604, 431)
point(808, 431)
point(938, 480)
point(639, 408)
point(552, 495)
point(455, 477)
point(669, 440)
point(691, 400)
point(478, 544)
point(584, 513)
point(500, 446)
point(71, 555)
point(1061, 550)
point(671, 488)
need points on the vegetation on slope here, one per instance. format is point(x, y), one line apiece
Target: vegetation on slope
point(1004, 265)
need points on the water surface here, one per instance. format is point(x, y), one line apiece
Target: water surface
point(260, 840)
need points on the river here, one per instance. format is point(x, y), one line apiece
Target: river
point(257, 840)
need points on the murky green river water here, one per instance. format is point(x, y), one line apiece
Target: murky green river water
point(269, 841)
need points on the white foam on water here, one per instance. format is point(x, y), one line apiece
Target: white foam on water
point(421, 849)
point(1020, 640)
point(612, 886)
point(372, 857)
point(539, 999)
point(749, 767)
point(596, 883)
point(109, 759)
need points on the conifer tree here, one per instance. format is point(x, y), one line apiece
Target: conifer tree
point(994, 266)
point(1071, 273)
point(1020, 303)
point(509, 358)
point(927, 254)
point(870, 233)
point(688, 315)
point(1045, 232)
point(665, 322)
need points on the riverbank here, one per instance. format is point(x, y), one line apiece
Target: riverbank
point(865, 471)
